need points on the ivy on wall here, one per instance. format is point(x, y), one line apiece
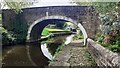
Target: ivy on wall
point(19, 28)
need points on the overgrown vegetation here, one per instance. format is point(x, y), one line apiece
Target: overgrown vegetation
point(100, 7)
point(110, 28)
point(110, 41)
point(7, 38)
point(17, 5)
point(79, 37)
point(58, 50)
point(17, 33)
point(109, 14)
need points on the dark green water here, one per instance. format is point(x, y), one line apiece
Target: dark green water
point(33, 54)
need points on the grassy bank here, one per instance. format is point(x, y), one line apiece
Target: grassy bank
point(48, 31)
point(58, 50)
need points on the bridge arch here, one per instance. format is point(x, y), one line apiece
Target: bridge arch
point(30, 29)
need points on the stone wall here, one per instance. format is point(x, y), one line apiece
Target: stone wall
point(103, 56)
point(85, 15)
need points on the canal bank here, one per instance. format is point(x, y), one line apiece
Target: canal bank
point(46, 53)
point(43, 38)
point(73, 54)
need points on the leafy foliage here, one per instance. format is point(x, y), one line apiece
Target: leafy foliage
point(111, 41)
point(101, 7)
point(115, 48)
point(7, 38)
point(17, 34)
point(109, 23)
point(109, 13)
point(19, 28)
point(18, 4)
point(100, 38)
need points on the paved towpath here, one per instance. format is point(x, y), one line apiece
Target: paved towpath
point(73, 54)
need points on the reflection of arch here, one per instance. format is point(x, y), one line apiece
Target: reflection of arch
point(61, 18)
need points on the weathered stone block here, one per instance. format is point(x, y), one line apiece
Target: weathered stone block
point(103, 56)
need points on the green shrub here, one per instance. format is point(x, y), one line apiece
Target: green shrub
point(111, 41)
point(7, 37)
point(78, 37)
point(115, 48)
point(105, 45)
point(100, 39)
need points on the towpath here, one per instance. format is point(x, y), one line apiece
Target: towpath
point(73, 54)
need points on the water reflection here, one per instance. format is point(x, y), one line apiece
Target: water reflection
point(46, 51)
point(50, 48)
point(37, 53)
point(69, 39)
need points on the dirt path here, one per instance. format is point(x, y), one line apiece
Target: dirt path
point(74, 54)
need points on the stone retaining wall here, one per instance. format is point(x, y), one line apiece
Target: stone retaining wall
point(103, 56)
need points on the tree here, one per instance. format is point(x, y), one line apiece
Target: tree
point(17, 5)
point(109, 13)
point(101, 7)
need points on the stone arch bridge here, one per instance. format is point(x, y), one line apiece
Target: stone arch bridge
point(31, 20)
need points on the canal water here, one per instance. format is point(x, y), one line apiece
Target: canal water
point(33, 54)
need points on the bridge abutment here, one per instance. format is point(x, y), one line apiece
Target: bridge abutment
point(34, 16)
